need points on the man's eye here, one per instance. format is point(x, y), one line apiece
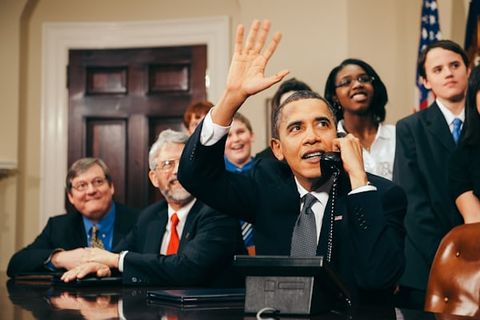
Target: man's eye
point(323, 123)
point(294, 128)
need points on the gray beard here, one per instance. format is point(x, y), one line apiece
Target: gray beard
point(180, 196)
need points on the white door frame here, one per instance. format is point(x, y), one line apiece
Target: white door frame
point(59, 38)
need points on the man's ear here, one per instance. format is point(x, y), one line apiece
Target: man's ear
point(277, 149)
point(153, 178)
point(426, 83)
point(70, 197)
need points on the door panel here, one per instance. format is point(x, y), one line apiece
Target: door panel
point(120, 99)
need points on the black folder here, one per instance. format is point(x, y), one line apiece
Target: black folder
point(198, 295)
point(88, 281)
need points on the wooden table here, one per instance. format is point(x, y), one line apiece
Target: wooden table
point(43, 301)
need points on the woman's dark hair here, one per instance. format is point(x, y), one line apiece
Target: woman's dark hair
point(291, 84)
point(471, 130)
point(380, 96)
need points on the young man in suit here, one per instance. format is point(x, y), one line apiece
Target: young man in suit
point(178, 241)
point(357, 218)
point(425, 141)
point(61, 245)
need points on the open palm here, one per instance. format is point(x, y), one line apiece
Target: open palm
point(247, 69)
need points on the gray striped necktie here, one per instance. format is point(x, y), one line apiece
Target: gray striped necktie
point(304, 238)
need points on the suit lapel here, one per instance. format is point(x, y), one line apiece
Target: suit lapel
point(156, 230)
point(435, 123)
point(155, 233)
point(189, 227)
point(79, 236)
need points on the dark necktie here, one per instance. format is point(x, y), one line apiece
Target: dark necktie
point(174, 240)
point(457, 129)
point(96, 242)
point(304, 238)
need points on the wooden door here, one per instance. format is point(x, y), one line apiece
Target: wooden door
point(120, 99)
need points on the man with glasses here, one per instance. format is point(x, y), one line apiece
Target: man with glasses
point(95, 221)
point(178, 241)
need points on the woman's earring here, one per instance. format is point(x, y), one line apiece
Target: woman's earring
point(338, 108)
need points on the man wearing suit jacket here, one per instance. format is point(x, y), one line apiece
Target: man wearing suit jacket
point(193, 251)
point(357, 223)
point(61, 244)
point(424, 145)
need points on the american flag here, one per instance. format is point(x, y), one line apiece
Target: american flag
point(429, 32)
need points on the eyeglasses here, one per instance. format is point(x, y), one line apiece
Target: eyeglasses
point(347, 82)
point(83, 185)
point(167, 165)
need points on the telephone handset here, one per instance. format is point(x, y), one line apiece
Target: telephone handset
point(330, 163)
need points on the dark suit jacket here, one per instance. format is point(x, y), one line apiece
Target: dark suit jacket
point(207, 245)
point(67, 232)
point(368, 228)
point(423, 147)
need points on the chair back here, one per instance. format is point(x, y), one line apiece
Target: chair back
point(454, 281)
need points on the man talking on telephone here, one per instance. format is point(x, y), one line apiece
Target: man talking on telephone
point(354, 220)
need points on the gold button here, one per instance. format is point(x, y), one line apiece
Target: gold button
point(457, 254)
point(445, 299)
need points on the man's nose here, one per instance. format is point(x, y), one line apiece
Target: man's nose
point(310, 134)
point(91, 188)
point(448, 72)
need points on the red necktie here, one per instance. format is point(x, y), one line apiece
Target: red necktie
point(174, 241)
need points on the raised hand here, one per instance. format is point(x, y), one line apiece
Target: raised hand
point(246, 75)
point(351, 152)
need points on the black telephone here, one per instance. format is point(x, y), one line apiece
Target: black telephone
point(330, 163)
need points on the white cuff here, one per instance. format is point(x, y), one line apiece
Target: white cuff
point(211, 132)
point(368, 187)
point(120, 260)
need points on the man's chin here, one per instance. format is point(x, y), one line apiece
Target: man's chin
point(94, 214)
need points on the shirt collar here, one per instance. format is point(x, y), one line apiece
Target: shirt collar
point(382, 133)
point(105, 224)
point(233, 168)
point(449, 116)
point(182, 212)
point(340, 127)
point(321, 193)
